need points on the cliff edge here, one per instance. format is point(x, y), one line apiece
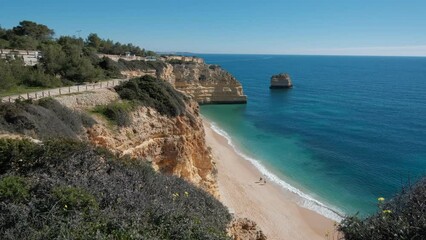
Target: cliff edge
point(174, 145)
point(205, 83)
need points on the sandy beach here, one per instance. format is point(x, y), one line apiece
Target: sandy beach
point(270, 206)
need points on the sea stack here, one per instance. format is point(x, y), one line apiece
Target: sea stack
point(281, 80)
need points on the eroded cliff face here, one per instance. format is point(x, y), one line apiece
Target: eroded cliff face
point(174, 145)
point(208, 83)
point(205, 83)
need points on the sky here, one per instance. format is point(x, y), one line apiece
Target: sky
point(313, 27)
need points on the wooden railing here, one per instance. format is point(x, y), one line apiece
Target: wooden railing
point(63, 90)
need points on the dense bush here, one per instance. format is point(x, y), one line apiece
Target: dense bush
point(152, 92)
point(403, 217)
point(178, 61)
point(116, 112)
point(111, 68)
point(13, 188)
point(69, 190)
point(123, 65)
point(13, 73)
point(42, 119)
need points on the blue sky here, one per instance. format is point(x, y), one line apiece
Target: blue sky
point(336, 27)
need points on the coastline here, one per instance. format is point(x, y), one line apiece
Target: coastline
point(273, 208)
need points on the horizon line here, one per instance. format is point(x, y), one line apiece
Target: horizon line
point(290, 54)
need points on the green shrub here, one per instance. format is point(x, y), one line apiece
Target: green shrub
point(403, 217)
point(124, 65)
point(151, 92)
point(116, 112)
point(72, 198)
point(175, 61)
point(43, 119)
point(78, 192)
point(111, 68)
point(13, 188)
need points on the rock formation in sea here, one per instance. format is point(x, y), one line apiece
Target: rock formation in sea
point(281, 80)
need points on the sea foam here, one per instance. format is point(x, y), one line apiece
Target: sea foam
point(306, 200)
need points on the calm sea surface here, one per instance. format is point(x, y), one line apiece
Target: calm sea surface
point(352, 128)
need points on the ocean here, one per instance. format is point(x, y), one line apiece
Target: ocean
point(351, 130)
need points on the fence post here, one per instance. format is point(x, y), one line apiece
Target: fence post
point(28, 95)
point(9, 99)
point(60, 91)
point(86, 87)
point(101, 84)
point(48, 92)
point(42, 93)
point(69, 89)
point(78, 88)
point(35, 95)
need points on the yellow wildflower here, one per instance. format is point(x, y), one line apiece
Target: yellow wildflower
point(186, 194)
point(387, 211)
point(381, 199)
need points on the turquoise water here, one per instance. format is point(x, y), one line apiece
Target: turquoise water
point(352, 128)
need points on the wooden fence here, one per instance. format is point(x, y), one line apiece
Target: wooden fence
point(63, 90)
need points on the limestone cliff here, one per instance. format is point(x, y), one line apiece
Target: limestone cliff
point(208, 83)
point(174, 145)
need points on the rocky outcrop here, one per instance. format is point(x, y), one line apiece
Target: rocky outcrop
point(174, 145)
point(281, 80)
point(166, 73)
point(205, 83)
point(245, 229)
point(138, 73)
point(183, 59)
point(208, 83)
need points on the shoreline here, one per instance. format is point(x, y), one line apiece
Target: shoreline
point(272, 207)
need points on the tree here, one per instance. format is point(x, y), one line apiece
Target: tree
point(151, 53)
point(37, 31)
point(4, 43)
point(94, 41)
point(53, 58)
point(7, 80)
point(23, 42)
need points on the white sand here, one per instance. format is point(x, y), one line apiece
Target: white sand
point(270, 206)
